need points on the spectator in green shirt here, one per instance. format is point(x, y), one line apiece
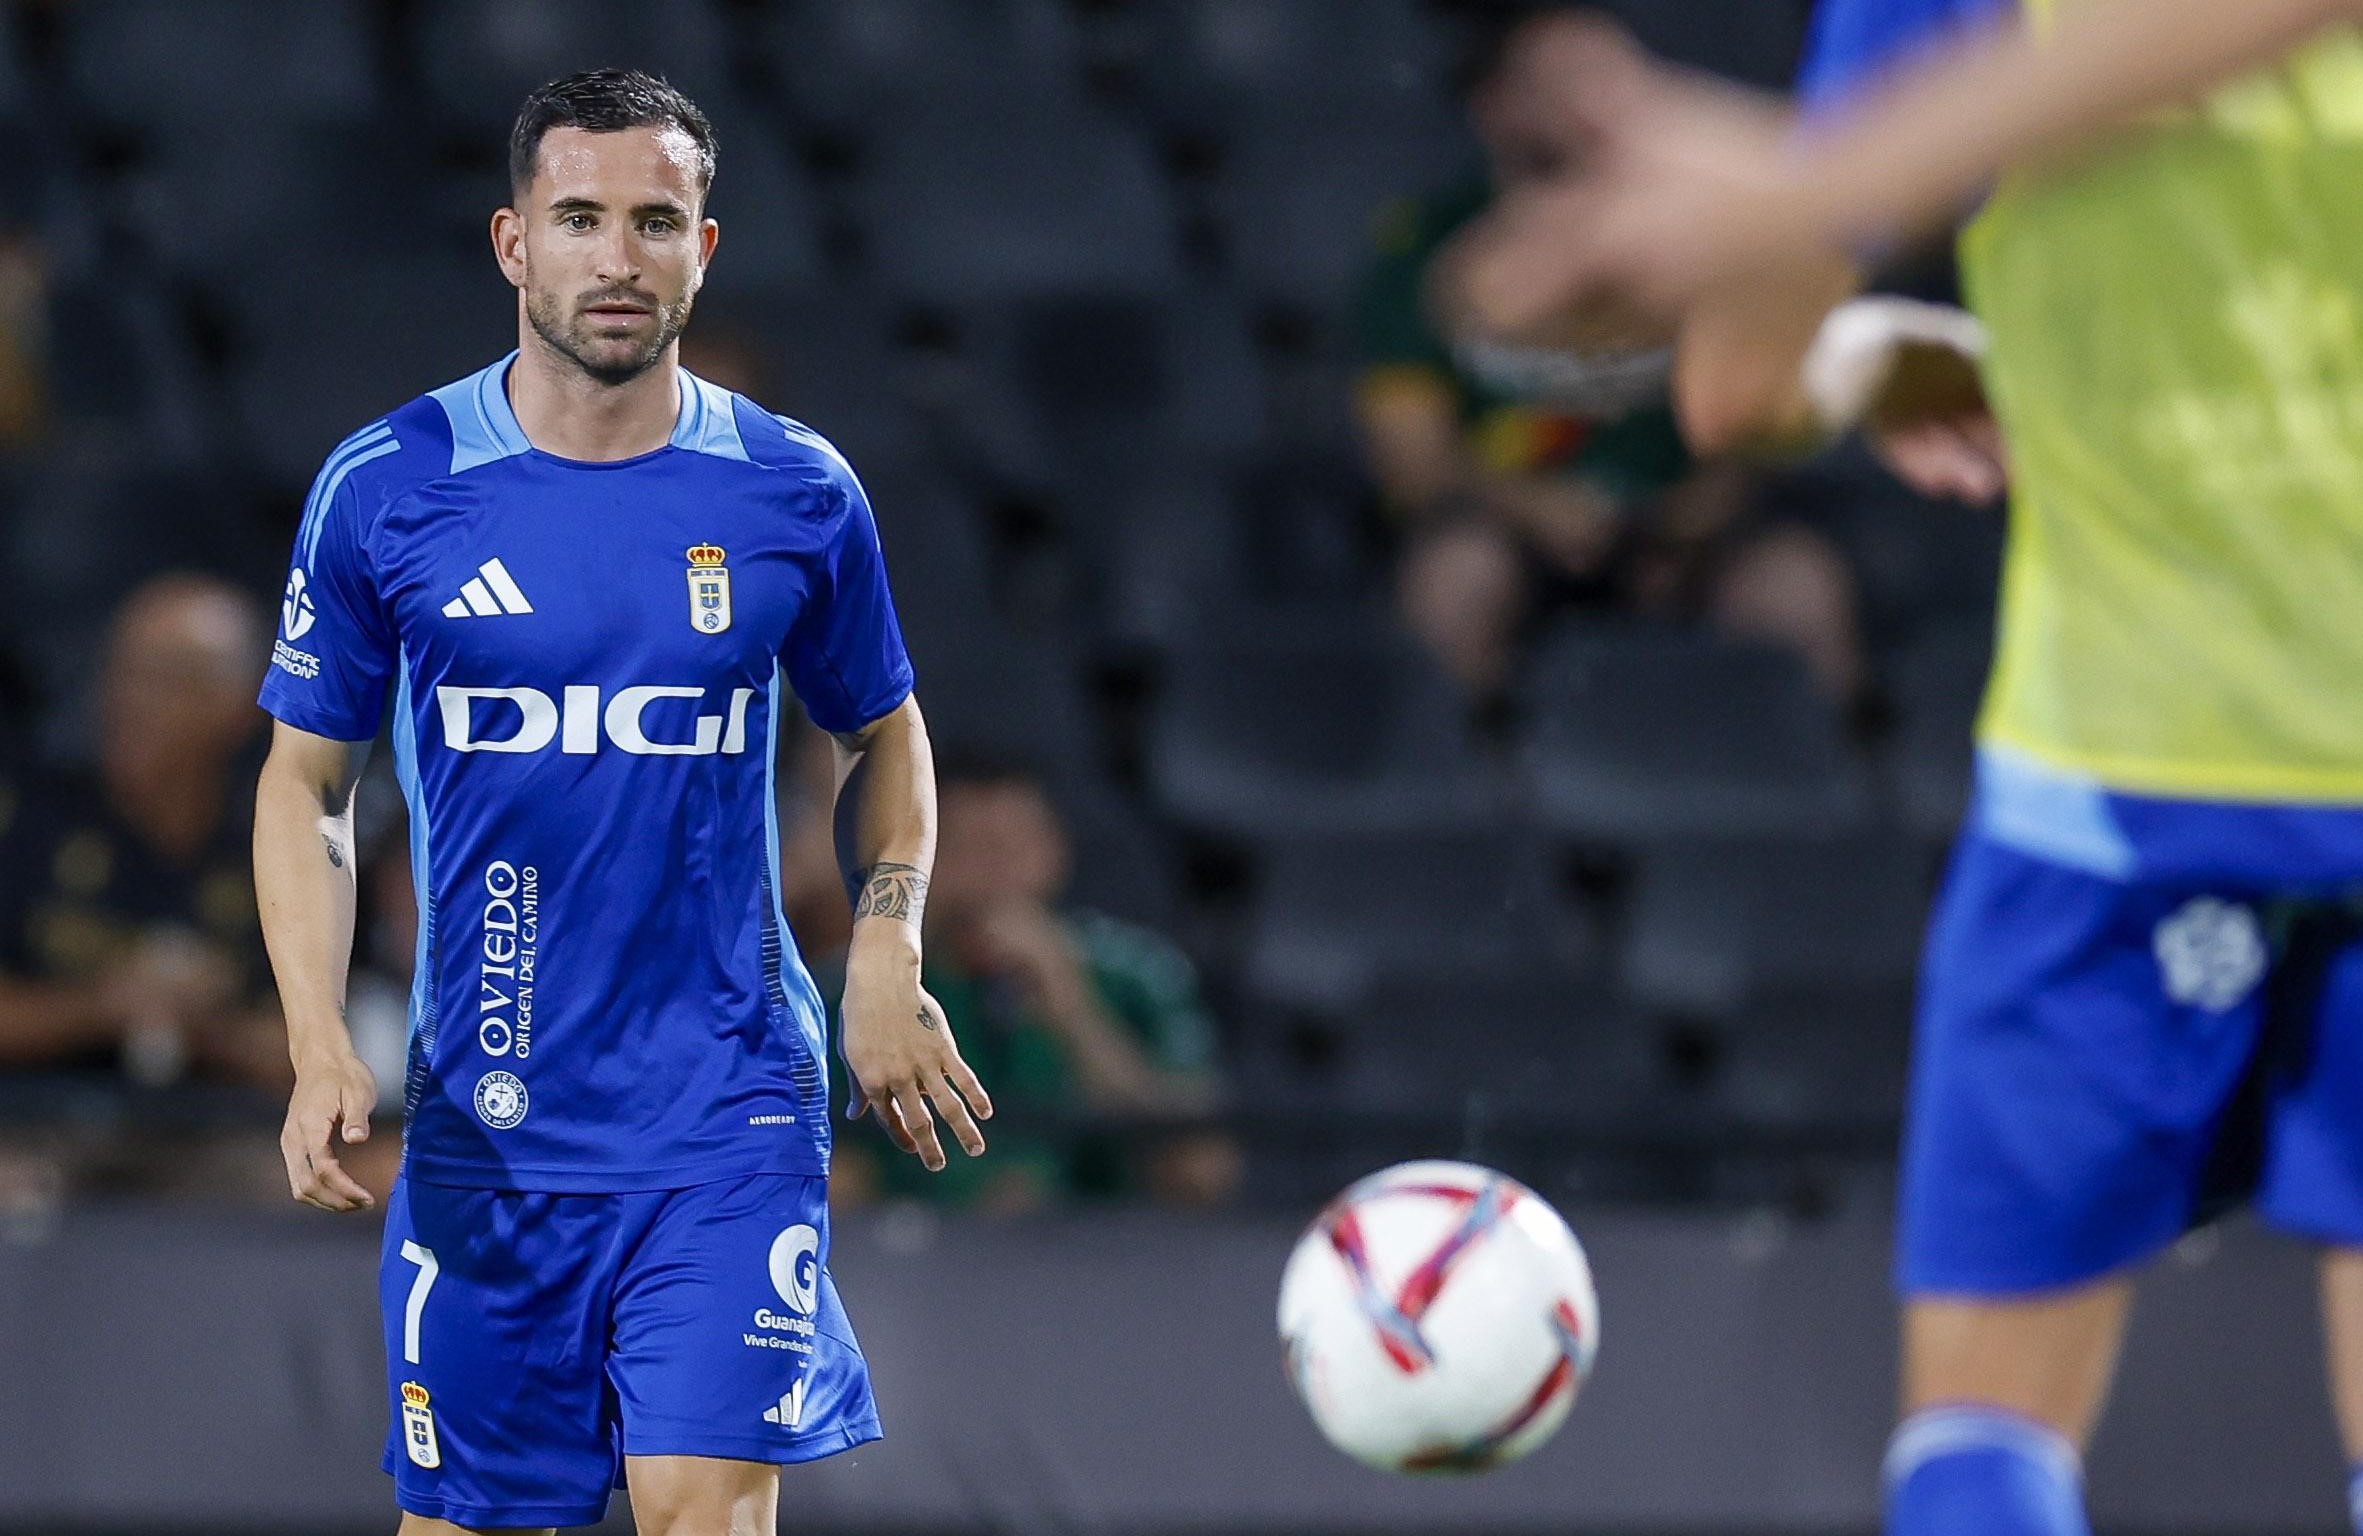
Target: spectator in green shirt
point(1079, 1021)
point(1526, 481)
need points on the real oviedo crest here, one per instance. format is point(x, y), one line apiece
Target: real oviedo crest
point(709, 590)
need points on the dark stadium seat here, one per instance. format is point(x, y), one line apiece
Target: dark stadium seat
point(478, 58)
point(1712, 927)
point(1206, 60)
point(1937, 680)
point(1163, 554)
point(992, 691)
point(1302, 196)
point(863, 66)
point(972, 202)
point(1124, 864)
point(1642, 734)
point(1340, 917)
point(1090, 394)
point(1527, 1045)
point(1321, 722)
point(192, 193)
point(1826, 1065)
point(769, 213)
point(325, 349)
point(829, 362)
point(162, 64)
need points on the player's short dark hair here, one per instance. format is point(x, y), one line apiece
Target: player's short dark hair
point(606, 101)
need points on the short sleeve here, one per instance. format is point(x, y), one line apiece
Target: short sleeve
point(845, 655)
point(335, 648)
point(1853, 42)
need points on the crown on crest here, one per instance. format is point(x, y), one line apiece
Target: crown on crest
point(414, 1394)
point(705, 554)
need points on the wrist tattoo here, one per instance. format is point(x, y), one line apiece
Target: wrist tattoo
point(336, 855)
point(892, 890)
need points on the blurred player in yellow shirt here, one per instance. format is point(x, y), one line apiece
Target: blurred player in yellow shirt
point(2143, 992)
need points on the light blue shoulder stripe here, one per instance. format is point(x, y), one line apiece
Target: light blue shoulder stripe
point(333, 480)
point(483, 428)
point(2050, 813)
point(376, 432)
point(798, 432)
point(708, 423)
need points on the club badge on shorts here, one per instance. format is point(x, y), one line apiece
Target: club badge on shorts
point(418, 1427)
point(709, 591)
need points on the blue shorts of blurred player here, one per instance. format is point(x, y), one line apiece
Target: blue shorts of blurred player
point(2103, 1064)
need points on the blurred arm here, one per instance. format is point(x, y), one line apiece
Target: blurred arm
point(1909, 156)
point(1411, 437)
point(1738, 365)
point(40, 1020)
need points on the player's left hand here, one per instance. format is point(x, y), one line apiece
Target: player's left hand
point(902, 1059)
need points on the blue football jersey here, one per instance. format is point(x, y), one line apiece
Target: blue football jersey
point(1852, 42)
point(588, 663)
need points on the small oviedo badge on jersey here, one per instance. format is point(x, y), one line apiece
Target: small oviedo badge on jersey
point(418, 1426)
point(709, 590)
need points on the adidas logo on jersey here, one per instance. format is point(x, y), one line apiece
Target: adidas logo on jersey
point(491, 591)
point(788, 1412)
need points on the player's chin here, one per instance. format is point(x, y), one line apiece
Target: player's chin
point(618, 351)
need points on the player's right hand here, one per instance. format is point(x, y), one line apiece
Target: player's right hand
point(330, 1107)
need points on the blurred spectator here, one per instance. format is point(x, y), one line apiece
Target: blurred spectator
point(1067, 1015)
point(129, 944)
point(1524, 481)
point(24, 340)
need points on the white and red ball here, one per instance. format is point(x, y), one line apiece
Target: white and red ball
point(1438, 1317)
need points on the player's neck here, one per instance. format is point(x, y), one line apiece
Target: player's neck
point(564, 411)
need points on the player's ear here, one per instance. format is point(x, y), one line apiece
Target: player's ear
point(709, 234)
point(508, 244)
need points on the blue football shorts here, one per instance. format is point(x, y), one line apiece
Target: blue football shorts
point(2101, 1065)
point(533, 1341)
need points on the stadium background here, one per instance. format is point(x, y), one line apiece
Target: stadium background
point(1075, 283)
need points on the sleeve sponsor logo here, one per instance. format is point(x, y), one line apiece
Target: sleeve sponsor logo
point(296, 614)
point(288, 659)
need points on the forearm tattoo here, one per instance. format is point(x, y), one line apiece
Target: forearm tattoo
point(892, 890)
point(336, 855)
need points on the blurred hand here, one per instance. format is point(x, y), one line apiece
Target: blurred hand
point(158, 997)
point(329, 1108)
point(1687, 186)
point(170, 979)
point(901, 1057)
point(1024, 942)
point(1931, 427)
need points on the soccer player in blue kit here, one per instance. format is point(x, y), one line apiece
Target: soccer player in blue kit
point(589, 581)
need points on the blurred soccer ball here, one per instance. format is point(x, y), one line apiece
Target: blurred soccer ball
point(1438, 1317)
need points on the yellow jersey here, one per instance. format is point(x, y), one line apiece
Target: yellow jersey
point(2177, 364)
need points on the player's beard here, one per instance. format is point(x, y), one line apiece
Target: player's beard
point(571, 335)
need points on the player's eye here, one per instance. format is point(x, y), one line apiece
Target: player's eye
point(659, 226)
point(580, 223)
